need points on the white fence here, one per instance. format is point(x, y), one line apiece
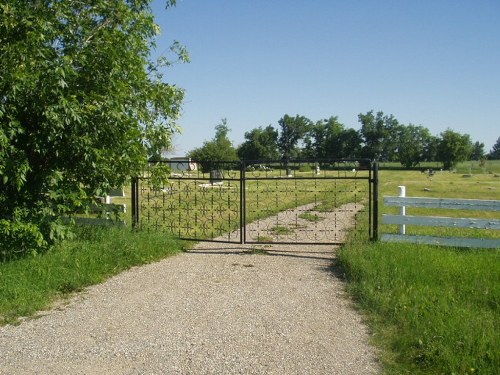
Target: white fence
point(103, 214)
point(434, 221)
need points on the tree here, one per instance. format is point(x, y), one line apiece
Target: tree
point(218, 149)
point(82, 106)
point(347, 145)
point(379, 136)
point(315, 141)
point(413, 143)
point(454, 148)
point(260, 144)
point(431, 149)
point(495, 151)
point(477, 151)
point(292, 130)
point(329, 139)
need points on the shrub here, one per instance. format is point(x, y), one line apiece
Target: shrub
point(305, 168)
point(19, 238)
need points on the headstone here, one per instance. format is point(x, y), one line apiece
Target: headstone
point(216, 175)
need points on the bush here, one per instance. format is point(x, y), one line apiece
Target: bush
point(305, 168)
point(19, 238)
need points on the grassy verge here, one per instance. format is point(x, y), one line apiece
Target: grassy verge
point(32, 284)
point(432, 310)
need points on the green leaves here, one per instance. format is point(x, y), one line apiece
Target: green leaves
point(79, 111)
point(219, 148)
point(453, 148)
point(260, 144)
point(18, 238)
point(292, 130)
point(495, 151)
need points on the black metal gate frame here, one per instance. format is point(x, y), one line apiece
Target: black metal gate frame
point(244, 176)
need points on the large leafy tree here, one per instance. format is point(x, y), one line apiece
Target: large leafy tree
point(414, 143)
point(220, 148)
point(260, 144)
point(82, 106)
point(292, 130)
point(477, 151)
point(379, 135)
point(453, 148)
point(317, 137)
point(347, 144)
point(329, 138)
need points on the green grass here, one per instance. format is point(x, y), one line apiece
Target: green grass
point(432, 310)
point(441, 185)
point(34, 283)
point(264, 239)
point(280, 230)
point(474, 167)
point(310, 217)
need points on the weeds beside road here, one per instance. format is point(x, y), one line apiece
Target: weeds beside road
point(432, 310)
point(31, 284)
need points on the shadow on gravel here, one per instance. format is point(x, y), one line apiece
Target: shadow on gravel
point(311, 253)
point(336, 270)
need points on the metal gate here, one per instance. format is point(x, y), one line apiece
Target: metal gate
point(299, 202)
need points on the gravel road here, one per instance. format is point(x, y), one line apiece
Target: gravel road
point(217, 309)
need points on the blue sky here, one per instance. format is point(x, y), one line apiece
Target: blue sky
point(434, 63)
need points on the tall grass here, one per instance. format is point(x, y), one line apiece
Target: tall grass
point(432, 310)
point(34, 283)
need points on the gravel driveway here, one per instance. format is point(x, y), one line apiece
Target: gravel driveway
point(217, 309)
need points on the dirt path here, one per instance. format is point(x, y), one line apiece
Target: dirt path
point(218, 309)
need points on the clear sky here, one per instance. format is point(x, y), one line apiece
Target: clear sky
point(434, 63)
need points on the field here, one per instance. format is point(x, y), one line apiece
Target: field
point(442, 184)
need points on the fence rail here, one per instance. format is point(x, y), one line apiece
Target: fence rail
point(436, 221)
point(102, 214)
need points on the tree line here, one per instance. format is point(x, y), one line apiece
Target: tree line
point(380, 137)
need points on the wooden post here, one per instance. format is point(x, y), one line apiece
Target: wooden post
point(402, 209)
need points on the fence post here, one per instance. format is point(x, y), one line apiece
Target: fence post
point(375, 200)
point(243, 233)
point(135, 202)
point(402, 209)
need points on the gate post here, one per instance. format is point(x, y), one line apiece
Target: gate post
point(134, 192)
point(242, 202)
point(375, 201)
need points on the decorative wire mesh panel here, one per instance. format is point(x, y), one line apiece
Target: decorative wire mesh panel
point(197, 202)
point(304, 202)
point(307, 202)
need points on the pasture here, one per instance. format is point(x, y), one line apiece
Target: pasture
point(442, 184)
